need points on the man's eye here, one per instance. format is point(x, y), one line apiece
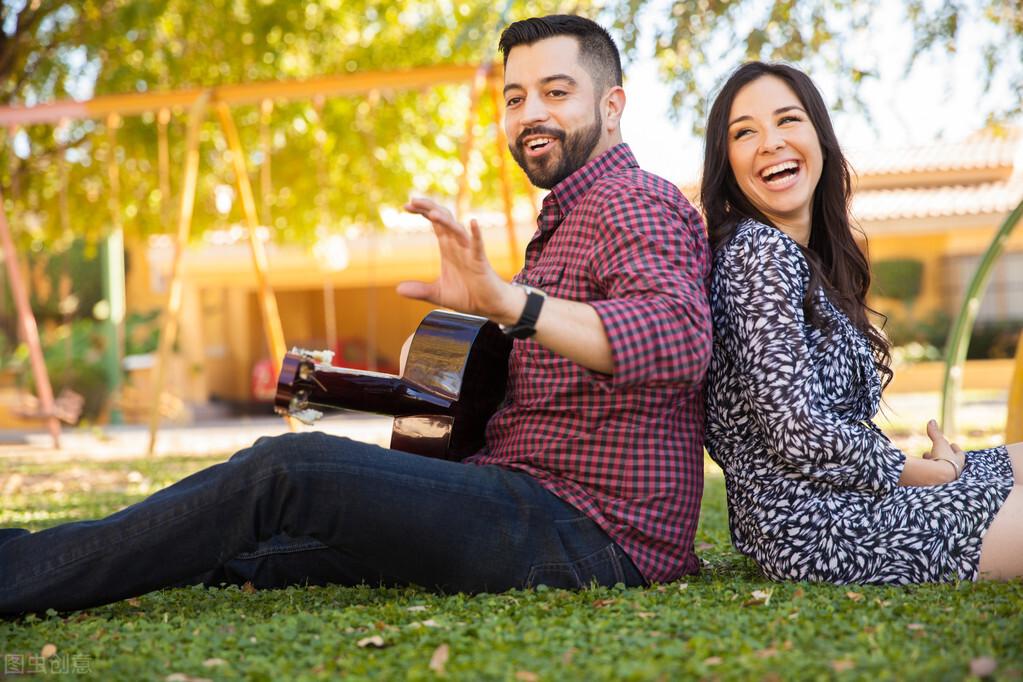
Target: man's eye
point(512, 101)
point(557, 93)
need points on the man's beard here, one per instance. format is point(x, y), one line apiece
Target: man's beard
point(575, 152)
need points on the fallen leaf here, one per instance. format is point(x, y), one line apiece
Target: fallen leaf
point(798, 593)
point(914, 626)
point(793, 615)
point(526, 676)
point(760, 597)
point(704, 546)
point(429, 623)
point(134, 601)
point(48, 651)
point(439, 659)
point(213, 662)
point(767, 653)
point(566, 658)
point(182, 677)
point(842, 665)
point(376, 641)
point(601, 603)
point(417, 607)
point(855, 596)
point(645, 614)
point(713, 660)
point(248, 587)
point(984, 666)
point(683, 586)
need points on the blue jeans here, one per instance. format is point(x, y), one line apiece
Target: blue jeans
point(316, 509)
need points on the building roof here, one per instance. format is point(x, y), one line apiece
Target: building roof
point(985, 149)
point(876, 205)
point(980, 175)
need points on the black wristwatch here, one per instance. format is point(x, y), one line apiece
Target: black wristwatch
point(526, 326)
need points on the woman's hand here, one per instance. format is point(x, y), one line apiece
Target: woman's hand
point(942, 450)
point(943, 464)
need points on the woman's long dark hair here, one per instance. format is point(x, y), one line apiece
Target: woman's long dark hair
point(836, 262)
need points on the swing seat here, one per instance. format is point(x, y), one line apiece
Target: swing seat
point(67, 407)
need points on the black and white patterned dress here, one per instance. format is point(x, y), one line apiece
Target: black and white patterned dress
point(811, 482)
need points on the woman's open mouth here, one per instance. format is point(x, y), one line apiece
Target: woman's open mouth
point(781, 175)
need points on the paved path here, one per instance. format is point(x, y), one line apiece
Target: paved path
point(904, 416)
point(210, 438)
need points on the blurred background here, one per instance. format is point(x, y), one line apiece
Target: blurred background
point(342, 110)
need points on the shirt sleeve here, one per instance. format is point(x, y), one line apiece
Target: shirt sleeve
point(763, 278)
point(652, 262)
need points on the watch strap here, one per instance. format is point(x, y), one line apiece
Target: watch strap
point(526, 325)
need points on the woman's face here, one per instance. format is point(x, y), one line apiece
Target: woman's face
point(774, 153)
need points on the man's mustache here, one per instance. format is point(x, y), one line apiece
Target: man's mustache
point(540, 130)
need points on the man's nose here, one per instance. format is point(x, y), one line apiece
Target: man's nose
point(534, 111)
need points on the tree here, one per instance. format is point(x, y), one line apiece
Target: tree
point(698, 42)
point(334, 163)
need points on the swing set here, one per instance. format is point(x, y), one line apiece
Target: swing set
point(482, 80)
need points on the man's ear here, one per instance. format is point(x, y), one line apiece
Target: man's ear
point(614, 105)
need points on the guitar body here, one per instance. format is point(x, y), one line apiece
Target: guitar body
point(454, 379)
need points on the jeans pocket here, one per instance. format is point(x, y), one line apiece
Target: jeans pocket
point(603, 567)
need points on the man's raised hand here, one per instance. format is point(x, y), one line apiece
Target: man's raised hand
point(467, 282)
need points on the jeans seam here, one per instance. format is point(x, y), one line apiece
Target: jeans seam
point(289, 549)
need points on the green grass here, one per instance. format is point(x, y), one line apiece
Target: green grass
point(711, 626)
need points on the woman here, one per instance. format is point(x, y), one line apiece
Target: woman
point(815, 491)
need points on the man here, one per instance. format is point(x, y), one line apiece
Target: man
point(592, 469)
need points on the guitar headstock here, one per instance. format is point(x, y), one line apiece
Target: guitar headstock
point(298, 372)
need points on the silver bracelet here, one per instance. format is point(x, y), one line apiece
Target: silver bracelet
point(953, 463)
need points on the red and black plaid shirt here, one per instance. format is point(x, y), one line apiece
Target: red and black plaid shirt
point(625, 449)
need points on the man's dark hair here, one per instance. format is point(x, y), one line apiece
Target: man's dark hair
point(597, 50)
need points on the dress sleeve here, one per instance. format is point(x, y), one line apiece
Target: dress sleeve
point(652, 263)
point(763, 276)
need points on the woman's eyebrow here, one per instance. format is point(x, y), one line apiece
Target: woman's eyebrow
point(782, 110)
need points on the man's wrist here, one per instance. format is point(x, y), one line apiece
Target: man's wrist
point(515, 304)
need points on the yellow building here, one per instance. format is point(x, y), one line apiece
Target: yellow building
point(939, 204)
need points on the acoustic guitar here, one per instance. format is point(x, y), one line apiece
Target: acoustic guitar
point(453, 381)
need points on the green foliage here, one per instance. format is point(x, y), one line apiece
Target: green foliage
point(74, 356)
point(728, 623)
point(930, 331)
point(699, 42)
point(994, 340)
point(898, 278)
point(333, 166)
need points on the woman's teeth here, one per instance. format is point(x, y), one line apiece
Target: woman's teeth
point(779, 172)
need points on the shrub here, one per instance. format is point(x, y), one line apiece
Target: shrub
point(898, 278)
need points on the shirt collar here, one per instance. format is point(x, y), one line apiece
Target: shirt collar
point(568, 192)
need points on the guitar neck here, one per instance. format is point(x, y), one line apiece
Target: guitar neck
point(307, 384)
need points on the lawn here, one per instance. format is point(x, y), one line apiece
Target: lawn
point(727, 623)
